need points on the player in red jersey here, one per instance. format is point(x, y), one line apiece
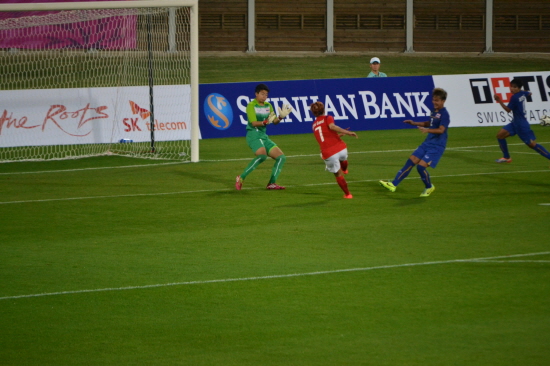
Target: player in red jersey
point(333, 150)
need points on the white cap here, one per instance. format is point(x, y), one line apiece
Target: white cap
point(374, 59)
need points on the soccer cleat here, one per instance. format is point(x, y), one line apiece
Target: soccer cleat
point(348, 196)
point(238, 183)
point(274, 186)
point(428, 191)
point(503, 160)
point(388, 185)
point(345, 171)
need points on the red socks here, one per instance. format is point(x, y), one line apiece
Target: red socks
point(344, 166)
point(342, 183)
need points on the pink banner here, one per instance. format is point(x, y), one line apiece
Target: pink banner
point(108, 33)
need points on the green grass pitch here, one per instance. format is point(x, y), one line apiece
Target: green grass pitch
point(120, 261)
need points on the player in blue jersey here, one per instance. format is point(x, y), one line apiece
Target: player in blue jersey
point(431, 150)
point(519, 125)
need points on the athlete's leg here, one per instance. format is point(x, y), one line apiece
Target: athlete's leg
point(424, 175)
point(261, 156)
point(501, 138)
point(539, 148)
point(280, 159)
point(341, 180)
point(344, 166)
point(404, 172)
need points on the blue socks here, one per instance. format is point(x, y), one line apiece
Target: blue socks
point(424, 175)
point(541, 150)
point(538, 148)
point(403, 173)
point(504, 147)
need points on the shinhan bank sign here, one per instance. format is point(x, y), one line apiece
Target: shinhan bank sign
point(360, 104)
point(373, 104)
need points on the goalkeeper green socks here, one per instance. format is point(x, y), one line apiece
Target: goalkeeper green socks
point(279, 162)
point(253, 165)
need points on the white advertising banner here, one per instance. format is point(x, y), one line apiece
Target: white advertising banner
point(471, 97)
point(93, 115)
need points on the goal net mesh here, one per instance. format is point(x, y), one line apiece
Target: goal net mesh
point(95, 82)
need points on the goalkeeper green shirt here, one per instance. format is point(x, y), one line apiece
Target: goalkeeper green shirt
point(256, 112)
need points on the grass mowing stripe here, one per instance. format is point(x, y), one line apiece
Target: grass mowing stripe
point(254, 188)
point(471, 260)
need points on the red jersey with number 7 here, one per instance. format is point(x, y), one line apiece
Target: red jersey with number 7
point(328, 140)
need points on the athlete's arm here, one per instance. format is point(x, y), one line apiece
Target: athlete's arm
point(342, 131)
point(419, 124)
point(437, 131)
point(283, 112)
point(498, 99)
point(252, 118)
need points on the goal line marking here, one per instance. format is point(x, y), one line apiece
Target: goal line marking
point(186, 283)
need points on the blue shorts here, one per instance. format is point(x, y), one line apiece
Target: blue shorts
point(430, 154)
point(525, 134)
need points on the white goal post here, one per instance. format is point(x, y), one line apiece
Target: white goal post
point(99, 78)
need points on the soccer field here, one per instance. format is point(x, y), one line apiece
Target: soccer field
point(120, 261)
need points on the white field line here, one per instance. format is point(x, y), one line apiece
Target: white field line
point(257, 188)
point(460, 148)
point(225, 280)
point(487, 151)
point(511, 261)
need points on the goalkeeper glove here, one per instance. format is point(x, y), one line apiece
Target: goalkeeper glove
point(285, 111)
point(269, 119)
point(272, 117)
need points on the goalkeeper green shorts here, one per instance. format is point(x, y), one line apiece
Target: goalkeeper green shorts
point(255, 143)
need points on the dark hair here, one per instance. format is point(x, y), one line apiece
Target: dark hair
point(440, 93)
point(517, 82)
point(261, 87)
point(317, 108)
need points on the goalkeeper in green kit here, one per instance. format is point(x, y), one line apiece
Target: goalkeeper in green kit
point(260, 113)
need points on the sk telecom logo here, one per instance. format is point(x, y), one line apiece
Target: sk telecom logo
point(131, 124)
point(136, 109)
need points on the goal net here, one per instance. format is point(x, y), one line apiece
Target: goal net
point(99, 78)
